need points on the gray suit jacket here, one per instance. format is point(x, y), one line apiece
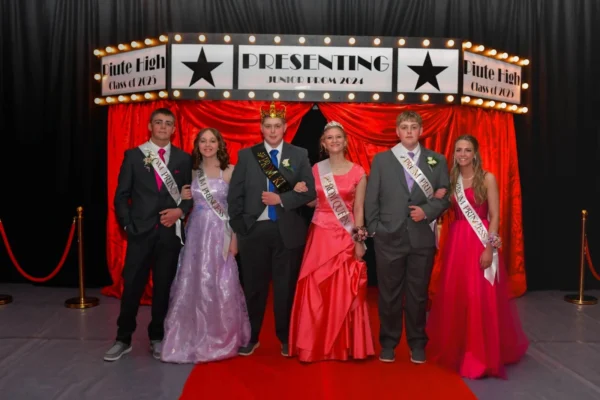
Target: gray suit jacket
point(388, 199)
point(249, 181)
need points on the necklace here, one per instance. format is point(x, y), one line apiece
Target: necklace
point(467, 179)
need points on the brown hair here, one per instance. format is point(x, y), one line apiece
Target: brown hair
point(222, 154)
point(163, 111)
point(409, 116)
point(478, 185)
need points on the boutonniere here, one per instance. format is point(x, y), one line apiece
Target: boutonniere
point(150, 157)
point(286, 164)
point(432, 161)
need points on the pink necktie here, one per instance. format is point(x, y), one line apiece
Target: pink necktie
point(159, 182)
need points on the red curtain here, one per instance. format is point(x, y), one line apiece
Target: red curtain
point(370, 128)
point(238, 122)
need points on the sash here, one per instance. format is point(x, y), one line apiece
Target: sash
point(272, 173)
point(168, 180)
point(217, 208)
point(337, 204)
point(420, 179)
point(491, 273)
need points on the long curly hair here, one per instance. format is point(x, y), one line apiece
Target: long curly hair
point(478, 185)
point(222, 154)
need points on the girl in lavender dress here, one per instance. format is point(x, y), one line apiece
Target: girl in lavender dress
point(207, 318)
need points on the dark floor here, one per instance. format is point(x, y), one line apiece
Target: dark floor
point(50, 352)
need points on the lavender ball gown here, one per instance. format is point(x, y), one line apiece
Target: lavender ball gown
point(207, 318)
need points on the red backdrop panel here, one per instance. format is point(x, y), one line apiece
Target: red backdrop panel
point(370, 128)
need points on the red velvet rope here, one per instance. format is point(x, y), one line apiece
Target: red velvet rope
point(589, 260)
point(25, 274)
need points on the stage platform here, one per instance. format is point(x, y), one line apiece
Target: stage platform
point(48, 351)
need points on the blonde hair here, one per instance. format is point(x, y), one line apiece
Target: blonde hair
point(478, 185)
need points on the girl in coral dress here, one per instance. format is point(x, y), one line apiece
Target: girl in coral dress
point(472, 327)
point(330, 319)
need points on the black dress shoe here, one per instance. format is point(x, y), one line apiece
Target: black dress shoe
point(249, 349)
point(285, 350)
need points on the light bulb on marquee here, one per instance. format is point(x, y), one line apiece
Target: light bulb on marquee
point(401, 42)
point(251, 95)
point(135, 44)
point(425, 97)
point(97, 100)
point(377, 41)
point(176, 93)
point(148, 42)
point(276, 95)
point(97, 77)
point(148, 96)
point(277, 39)
point(351, 40)
point(226, 94)
point(121, 98)
point(301, 95)
point(426, 42)
point(227, 38)
point(450, 43)
point(163, 38)
point(525, 86)
point(351, 96)
point(326, 96)
point(450, 99)
point(400, 97)
point(376, 97)
point(252, 39)
point(467, 45)
point(162, 94)
point(201, 93)
point(327, 40)
point(202, 38)
point(134, 97)
point(524, 110)
point(302, 40)
point(466, 99)
point(178, 38)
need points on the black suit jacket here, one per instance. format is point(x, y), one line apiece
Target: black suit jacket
point(138, 200)
point(248, 182)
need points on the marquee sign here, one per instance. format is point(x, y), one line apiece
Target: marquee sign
point(311, 68)
point(134, 71)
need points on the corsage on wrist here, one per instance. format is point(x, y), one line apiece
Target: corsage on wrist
point(360, 233)
point(495, 240)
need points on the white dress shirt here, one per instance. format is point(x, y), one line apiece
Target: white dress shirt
point(417, 151)
point(265, 214)
point(155, 149)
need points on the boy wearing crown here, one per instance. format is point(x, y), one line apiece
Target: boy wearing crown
point(264, 212)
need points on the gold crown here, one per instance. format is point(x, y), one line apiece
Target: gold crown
point(273, 112)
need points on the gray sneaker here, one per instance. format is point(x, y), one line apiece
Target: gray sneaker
point(387, 355)
point(156, 348)
point(116, 351)
point(417, 355)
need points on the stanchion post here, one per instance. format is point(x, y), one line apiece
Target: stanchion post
point(81, 302)
point(580, 298)
point(5, 299)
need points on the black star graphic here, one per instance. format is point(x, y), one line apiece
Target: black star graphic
point(427, 73)
point(202, 69)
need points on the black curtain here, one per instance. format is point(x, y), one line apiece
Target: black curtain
point(54, 147)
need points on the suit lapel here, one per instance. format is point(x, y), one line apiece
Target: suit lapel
point(423, 166)
point(400, 170)
point(285, 154)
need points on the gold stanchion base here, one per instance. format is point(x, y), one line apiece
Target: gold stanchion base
point(5, 299)
point(81, 303)
point(586, 301)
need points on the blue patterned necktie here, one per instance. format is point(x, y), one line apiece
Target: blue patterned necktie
point(272, 212)
point(409, 179)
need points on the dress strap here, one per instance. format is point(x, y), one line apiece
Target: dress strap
point(220, 173)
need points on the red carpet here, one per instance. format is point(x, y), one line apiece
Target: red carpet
point(268, 375)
